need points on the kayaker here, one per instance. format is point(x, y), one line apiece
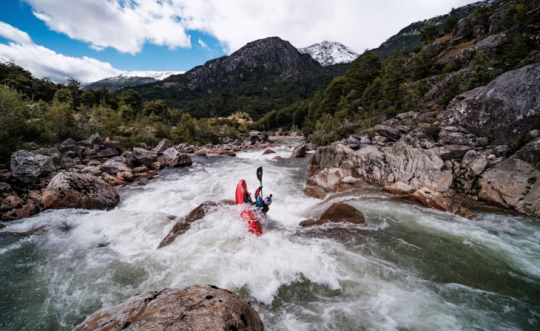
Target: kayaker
point(261, 203)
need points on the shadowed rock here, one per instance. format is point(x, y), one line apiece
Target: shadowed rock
point(27, 166)
point(195, 308)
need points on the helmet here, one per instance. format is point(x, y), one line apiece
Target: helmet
point(268, 200)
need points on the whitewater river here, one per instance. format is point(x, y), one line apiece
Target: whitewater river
point(410, 268)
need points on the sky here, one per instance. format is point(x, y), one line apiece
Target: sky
point(93, 39)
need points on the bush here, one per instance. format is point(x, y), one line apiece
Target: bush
point(432, 131)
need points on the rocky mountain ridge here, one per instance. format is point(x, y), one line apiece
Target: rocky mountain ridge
point(329, 53)
point(131, 78)
point(409, 37)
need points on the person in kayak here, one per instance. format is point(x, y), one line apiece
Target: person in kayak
point(263, 204)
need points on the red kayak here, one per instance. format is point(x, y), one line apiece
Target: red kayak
point(243, 197)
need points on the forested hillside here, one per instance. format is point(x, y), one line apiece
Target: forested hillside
point(264, 75)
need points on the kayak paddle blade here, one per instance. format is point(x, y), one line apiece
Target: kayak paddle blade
point(259, 174)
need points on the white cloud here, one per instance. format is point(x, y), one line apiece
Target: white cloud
point(43, 62)
point(203, 44)
point(12, 33)
point(127, 24)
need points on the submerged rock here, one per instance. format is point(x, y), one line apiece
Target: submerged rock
point(338, 213)
point(195, 308)
point(315, 192)
point(73, 190)
point(184, 223)
point(269, 151)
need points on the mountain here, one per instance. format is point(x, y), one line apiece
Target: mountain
point(409, 37)
point(329, 53)
point(262, 76)
point(131, 78)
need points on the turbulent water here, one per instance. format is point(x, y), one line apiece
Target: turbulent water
point(410, 268)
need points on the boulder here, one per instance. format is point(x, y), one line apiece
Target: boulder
point(107, 153)
point(195, 308)
point(200, 152)
point(504, 109)
point(453, 152)
point(299, 151)
point(315, 192)
point(27, 166)
point(398, 188)
point(73, 190)
point(144, 157)
point(163, 145)
point(269, 151)
point(113, 167)
point(140, 169)
point(515, 182)
point(5, 187)
point(430, 199)
point(183, 224)
point(175, 159)
point(453, 138)
point(95, 139)
point(338, 213)
point(387, 131)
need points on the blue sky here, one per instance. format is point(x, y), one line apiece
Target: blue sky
point(152, 57)
point(94, 39)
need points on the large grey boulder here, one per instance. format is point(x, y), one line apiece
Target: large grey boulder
point(195, 308)
point(27, 166)
point(504, 109)
point(387, 131)
point(74, 190)
point(385, 166)
point(515, 182)
point(144, 157)
point(163, 145)
point(299, 151)
point(175, 159)
point(115, 165)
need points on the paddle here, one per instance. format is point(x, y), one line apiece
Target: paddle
point(259, 177)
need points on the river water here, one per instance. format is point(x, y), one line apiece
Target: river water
point(409, 268)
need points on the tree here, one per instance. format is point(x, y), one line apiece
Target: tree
point(361, 73)
point(429, 34)
point(133, 99)
point(74, 86)
point(483, 70)
point(64, 96)
point(158, 108)
point(423, 65)
point(392, 79)
point(450, 22)
point(88, 99)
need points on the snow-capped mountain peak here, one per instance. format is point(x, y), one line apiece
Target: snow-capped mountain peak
point(157, 75)
point(329, 53)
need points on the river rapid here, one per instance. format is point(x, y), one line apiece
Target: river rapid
point(409, 268)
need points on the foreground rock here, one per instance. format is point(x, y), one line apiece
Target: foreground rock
point(73, 190)
point(338, 213)
point(515, 182)
point(505, 109)
point(27, 166)
point(195, 308)
point(183, 224)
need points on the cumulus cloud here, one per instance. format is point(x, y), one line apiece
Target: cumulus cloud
point(127, 25)
point(43, 62)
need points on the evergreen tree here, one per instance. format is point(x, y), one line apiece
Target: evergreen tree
point(450, 22)
point(429, 34)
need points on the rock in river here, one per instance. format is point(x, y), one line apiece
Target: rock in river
point(338, 213)
point(195, 308)
point(73, 190)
